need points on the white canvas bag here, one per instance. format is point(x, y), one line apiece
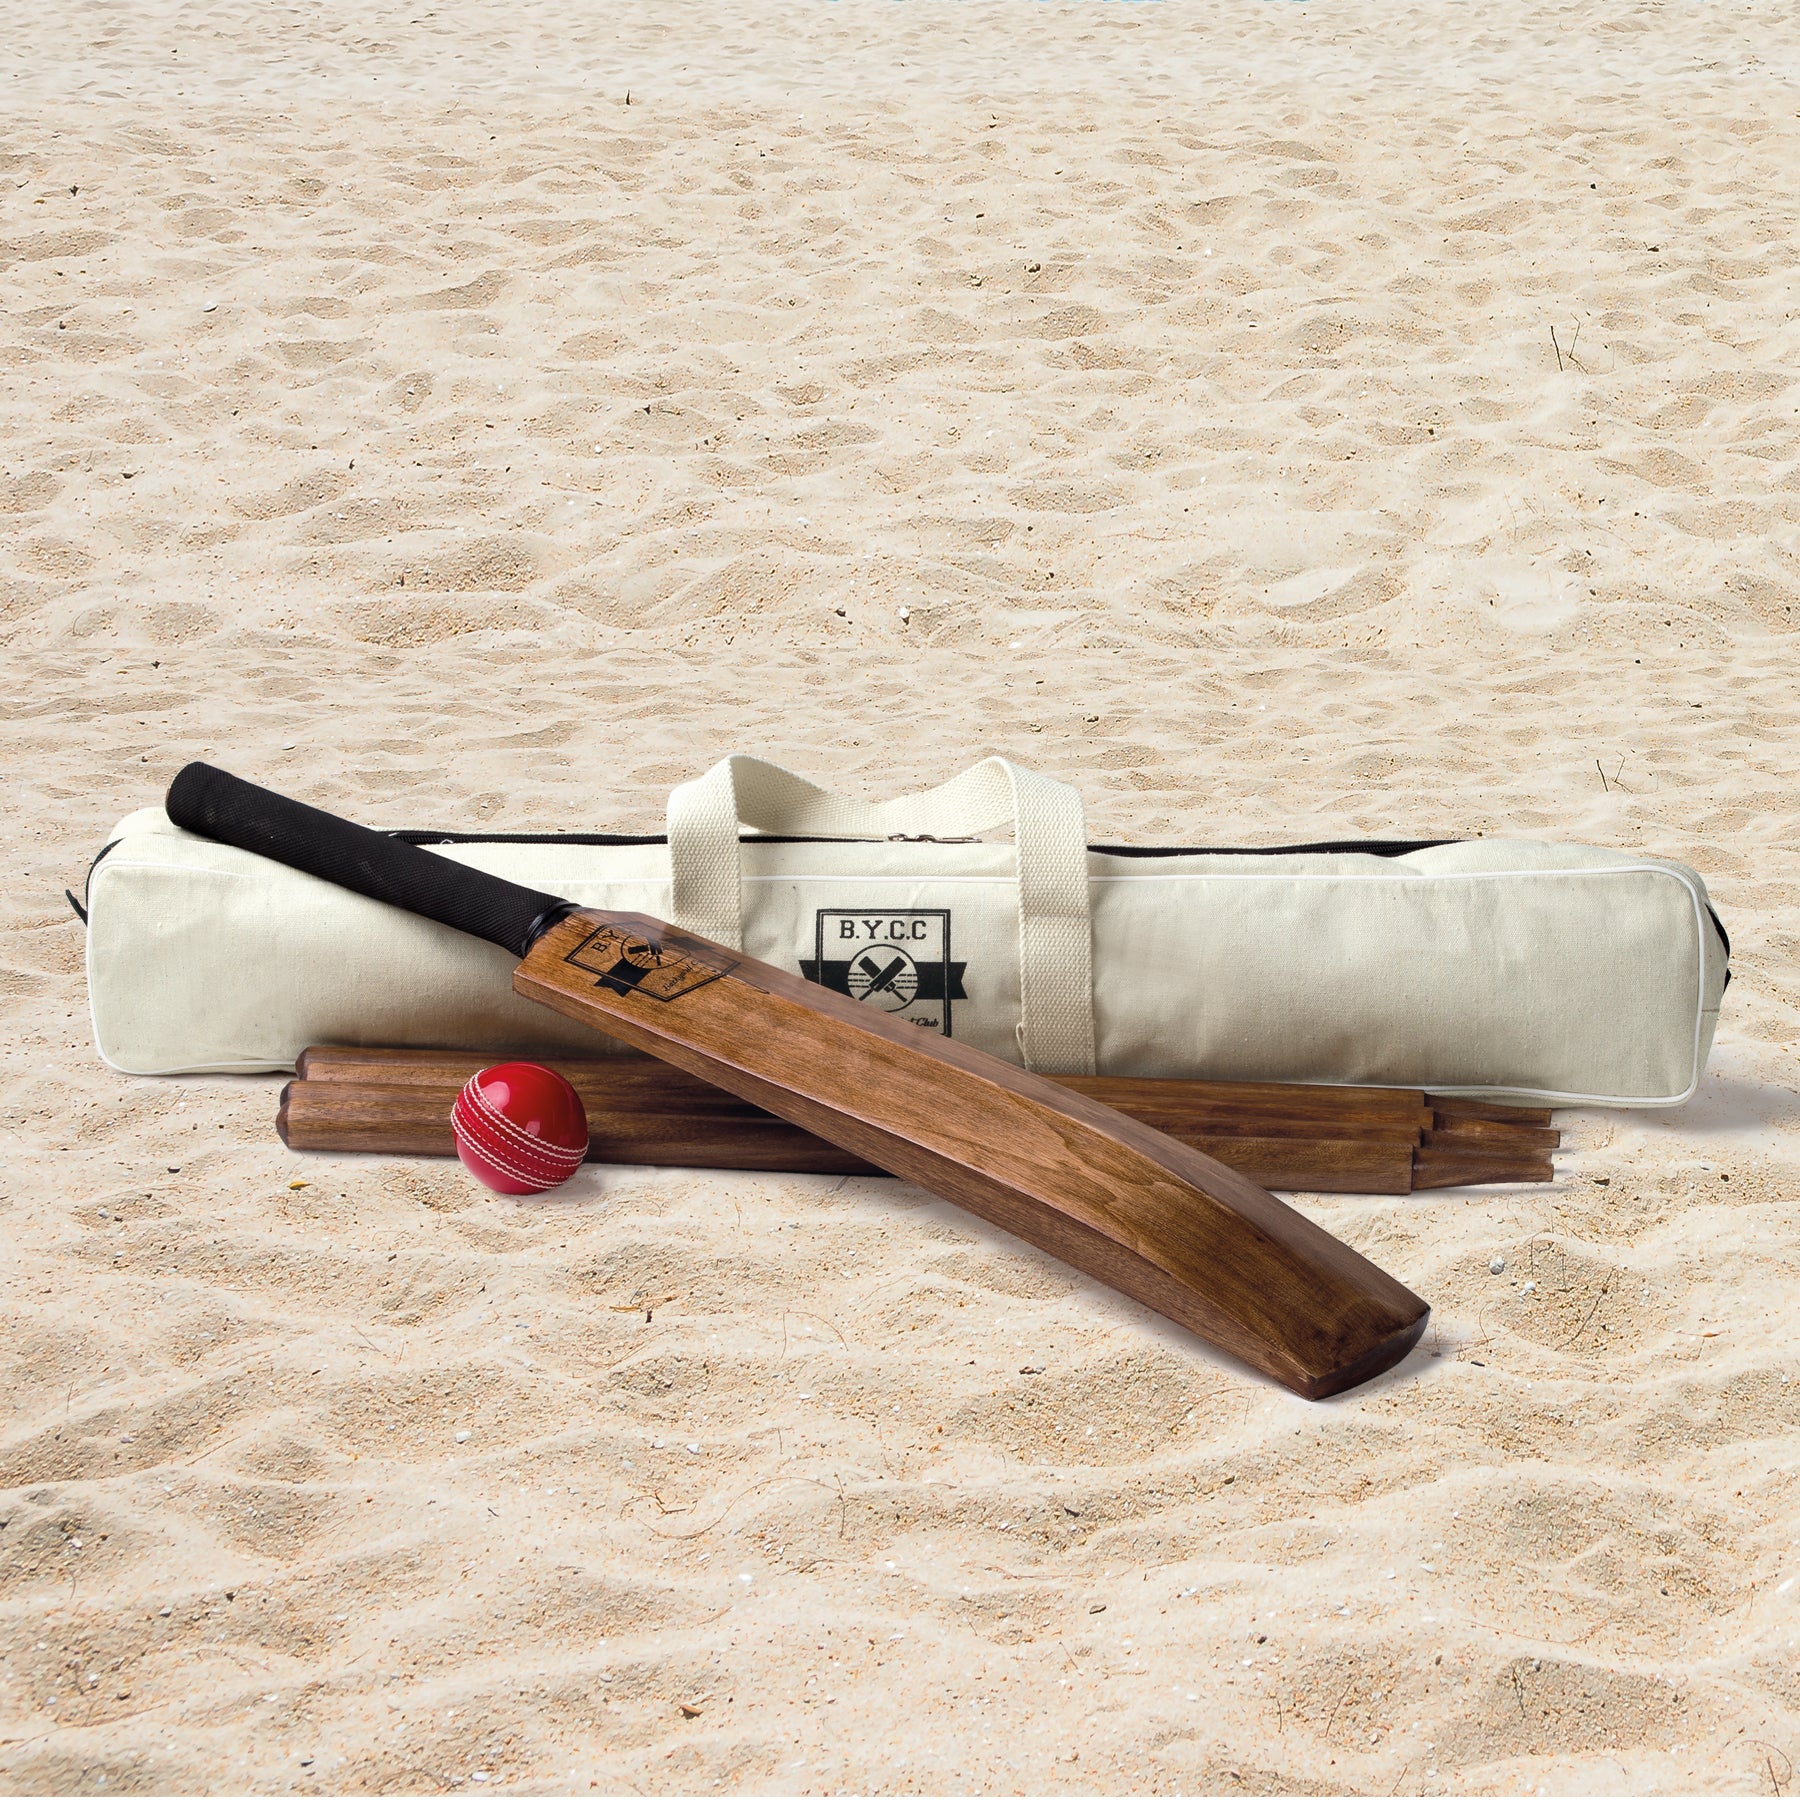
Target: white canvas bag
point(1553, 972)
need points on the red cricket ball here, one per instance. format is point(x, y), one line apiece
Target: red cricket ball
point(519, 1128)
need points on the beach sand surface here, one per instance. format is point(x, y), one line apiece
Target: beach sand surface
point(1285, 421)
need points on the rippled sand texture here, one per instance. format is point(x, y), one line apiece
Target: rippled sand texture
point(1284, 420)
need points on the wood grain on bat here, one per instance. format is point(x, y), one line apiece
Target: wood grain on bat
point(1173, 1228)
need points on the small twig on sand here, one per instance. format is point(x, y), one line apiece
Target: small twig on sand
point(1603, 782)
point(1342, 1697)
point(1778, 1782)
point(1565, 359)
point(1593, 1307)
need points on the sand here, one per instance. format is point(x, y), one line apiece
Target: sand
point(1283, 420)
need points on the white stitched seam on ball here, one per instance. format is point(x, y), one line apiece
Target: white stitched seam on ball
point(476, 1129)
point(541, 1175)
point(538, 1159)
point(509, 1127)
point(512, 1130)
point(492, 1123)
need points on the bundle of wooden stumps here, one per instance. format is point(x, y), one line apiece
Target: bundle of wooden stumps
point(1329, 1140)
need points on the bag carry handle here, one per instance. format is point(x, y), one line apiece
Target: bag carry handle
point(1056, 1029)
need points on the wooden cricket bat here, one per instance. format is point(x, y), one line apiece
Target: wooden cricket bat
point(1165, 1224)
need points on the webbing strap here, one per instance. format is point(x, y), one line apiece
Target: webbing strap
point(1056, 1031)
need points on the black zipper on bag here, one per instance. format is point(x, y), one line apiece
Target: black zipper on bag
point(611, 840)
point(1342, 847)
point(80, 906)
point(616, 839)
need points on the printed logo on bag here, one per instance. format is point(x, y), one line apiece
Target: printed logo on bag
point(898, 961)
point(635, 965)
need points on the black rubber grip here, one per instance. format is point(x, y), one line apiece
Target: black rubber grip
point(215, 805)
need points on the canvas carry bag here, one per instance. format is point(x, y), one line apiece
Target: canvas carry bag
point(1543, 971)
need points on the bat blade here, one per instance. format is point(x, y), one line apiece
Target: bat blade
point(1161, 1222)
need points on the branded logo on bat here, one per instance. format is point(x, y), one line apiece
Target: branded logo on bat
point(635, 965)
point(898, 961)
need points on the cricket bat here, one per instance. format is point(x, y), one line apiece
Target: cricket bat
point(1154, 1219)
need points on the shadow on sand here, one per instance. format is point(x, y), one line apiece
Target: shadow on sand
point(1726, 1106)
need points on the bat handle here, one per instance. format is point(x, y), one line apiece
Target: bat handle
point(213, 804)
